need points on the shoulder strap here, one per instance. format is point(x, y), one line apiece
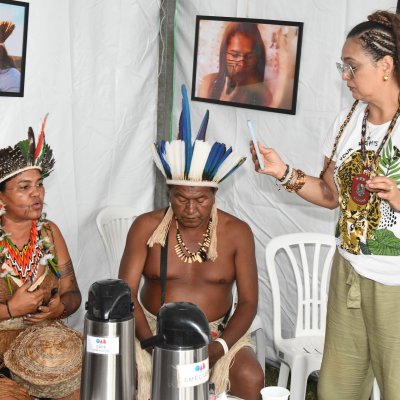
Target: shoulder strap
point(338, 136)
point(163, 267)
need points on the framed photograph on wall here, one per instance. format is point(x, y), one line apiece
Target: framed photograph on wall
point(13, 35)
point(250, 63)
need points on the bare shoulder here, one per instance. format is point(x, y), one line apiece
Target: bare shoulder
point(146, 223)
point(55, 230)
point(233, 226)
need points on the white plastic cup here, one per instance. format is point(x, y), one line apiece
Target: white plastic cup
point(274, 393)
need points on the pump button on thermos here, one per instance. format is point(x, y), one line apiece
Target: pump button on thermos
point(108, 371)
point(180, 355)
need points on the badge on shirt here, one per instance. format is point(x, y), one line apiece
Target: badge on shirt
point(359, 193)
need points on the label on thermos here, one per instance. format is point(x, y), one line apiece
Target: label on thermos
point(192, 374)
point(102, 345)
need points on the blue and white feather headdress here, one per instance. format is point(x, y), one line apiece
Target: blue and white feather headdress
point(197, 164)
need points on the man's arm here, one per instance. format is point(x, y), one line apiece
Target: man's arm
point(247, 287)
point(131, 269)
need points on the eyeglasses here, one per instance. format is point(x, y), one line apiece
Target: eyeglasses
point(24, 188)
point(346, 69)
point(237, 57)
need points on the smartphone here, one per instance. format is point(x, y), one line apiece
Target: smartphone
point(255, 143)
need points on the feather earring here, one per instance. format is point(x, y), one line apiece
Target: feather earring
point(212, 253)
point(159, 236)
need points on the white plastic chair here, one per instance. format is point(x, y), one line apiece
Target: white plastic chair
point(113, 223)
point(256, 330)
point(376, 394)
point(309, 256)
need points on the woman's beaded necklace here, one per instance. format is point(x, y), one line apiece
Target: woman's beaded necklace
point(19, 265)
point(359, 193)
point(188, 256)
point(25, 262)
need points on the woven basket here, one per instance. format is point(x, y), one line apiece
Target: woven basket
point(10, 390)
point(46, 360)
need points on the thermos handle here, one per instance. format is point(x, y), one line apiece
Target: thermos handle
point(152, 341)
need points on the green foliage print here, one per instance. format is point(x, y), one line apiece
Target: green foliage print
point(337, 230)
point(384, 244)
point(389, 162)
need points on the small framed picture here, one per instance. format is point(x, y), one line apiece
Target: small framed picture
point(13, 35)
point(249, 63)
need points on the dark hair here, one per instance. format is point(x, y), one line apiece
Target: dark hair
point(251, 31)
point(3, 184)
point(380, 37)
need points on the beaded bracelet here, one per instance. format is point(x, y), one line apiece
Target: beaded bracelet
point(297, 182)
point(64, 313)
point(8, 310)
point(288, 175)
point(285, 174)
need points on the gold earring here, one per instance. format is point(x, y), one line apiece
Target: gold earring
point(385, 78)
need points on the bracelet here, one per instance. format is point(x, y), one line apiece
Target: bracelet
point(8, 310)
point(297, 182)
point(223, 344)
point(64, 313)
point(285, 174)
point(288, 175)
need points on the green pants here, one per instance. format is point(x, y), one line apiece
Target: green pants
point(362, 337)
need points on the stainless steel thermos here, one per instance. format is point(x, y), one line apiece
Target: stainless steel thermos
point(108, 370)
point(180, 355)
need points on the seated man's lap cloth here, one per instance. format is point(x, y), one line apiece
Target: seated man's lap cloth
point(219, 373)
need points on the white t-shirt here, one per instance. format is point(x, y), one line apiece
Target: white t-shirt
point(368, 235)
point(10, 80)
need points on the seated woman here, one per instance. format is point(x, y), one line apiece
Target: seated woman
point(37, 279)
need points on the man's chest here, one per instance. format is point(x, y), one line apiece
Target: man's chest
point(220, 271)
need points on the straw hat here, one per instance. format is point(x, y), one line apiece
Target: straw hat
point(46, 359)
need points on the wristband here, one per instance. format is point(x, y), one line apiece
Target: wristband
point(64, 313)
point(8, 310)
point(223, 344)
point(286, 173)
point(287, 176)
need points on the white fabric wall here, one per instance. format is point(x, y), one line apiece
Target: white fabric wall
point(298, 138)
point(92, 65)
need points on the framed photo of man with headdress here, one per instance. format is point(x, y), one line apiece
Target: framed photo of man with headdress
point(13, 36)
point(249, 63)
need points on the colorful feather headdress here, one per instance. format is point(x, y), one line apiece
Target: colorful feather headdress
point(27, 155)
point(197, 164)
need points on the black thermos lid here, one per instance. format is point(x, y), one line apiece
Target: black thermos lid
point(183, 325)
point(109, 300)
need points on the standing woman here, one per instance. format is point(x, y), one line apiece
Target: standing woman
point(361, 175)
point(37, 279)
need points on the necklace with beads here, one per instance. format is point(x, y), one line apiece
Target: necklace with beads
point(359, 193)
point(19, 265)
point(188, 256)
point(26, 261)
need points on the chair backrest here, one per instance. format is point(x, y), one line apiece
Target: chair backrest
point(113, 223)
point(309, 255)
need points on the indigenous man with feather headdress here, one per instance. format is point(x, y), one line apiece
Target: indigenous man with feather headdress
point(208, 251)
